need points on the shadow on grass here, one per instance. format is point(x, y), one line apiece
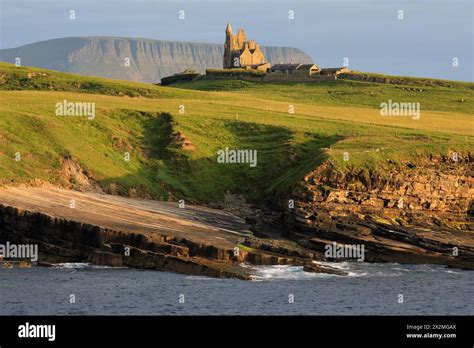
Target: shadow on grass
point(171, 172)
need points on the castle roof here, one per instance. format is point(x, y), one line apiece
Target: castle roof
point(333, 69)
point(290, 66)
point(307, 66)
point(293, 66)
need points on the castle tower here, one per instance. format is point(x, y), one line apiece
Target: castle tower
point(228, 46)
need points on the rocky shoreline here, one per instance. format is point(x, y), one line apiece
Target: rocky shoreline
point(138, 237)
point(417, 214)
point(420, 213)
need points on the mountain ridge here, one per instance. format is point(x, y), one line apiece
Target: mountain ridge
point(150, 59)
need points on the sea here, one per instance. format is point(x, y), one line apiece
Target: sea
point(369, 289)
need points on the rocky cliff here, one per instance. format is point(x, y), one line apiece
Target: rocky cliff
point(419, 212)
point(149, 60)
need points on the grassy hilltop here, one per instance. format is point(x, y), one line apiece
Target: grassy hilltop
point(173, 154)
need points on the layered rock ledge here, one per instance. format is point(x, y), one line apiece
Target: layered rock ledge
point(418, 213)
point(71, 226)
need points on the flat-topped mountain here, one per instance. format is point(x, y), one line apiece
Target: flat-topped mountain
point(149, 60)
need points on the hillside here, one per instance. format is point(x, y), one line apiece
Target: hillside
point(150, 60)
point(173, 154)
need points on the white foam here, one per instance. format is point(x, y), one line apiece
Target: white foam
point(338, 265)
point(82, 265)
point(281, 272)
point(362, 269)
point(284, 272)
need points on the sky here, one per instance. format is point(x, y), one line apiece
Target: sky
point(428, 41)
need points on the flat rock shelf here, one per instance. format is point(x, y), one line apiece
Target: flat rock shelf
point(73, 226)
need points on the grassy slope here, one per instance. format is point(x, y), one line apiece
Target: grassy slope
point(348, 93)
point(329, 119)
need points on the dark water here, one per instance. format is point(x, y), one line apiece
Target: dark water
point(370, 289)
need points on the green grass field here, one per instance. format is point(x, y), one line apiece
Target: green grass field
point(328, 120)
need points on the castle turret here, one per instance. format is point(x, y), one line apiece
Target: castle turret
point(228, 46)
point(228, 29)
point(241, 39)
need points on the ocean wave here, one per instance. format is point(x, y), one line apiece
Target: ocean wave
point(282, 272)
point(197, 277)
point(365, 269)
point(287, 272)
point(82, 265)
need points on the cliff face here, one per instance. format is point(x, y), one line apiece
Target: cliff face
point(61, 240)
point(149, 60)
point(415, 195)
point(419, 213)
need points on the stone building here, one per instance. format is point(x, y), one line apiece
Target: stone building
point(240, 53)
point(297, 69)
point(334, 71)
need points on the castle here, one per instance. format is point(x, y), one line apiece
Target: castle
point(243, 54)
point(240, 53)
point(245, 60)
